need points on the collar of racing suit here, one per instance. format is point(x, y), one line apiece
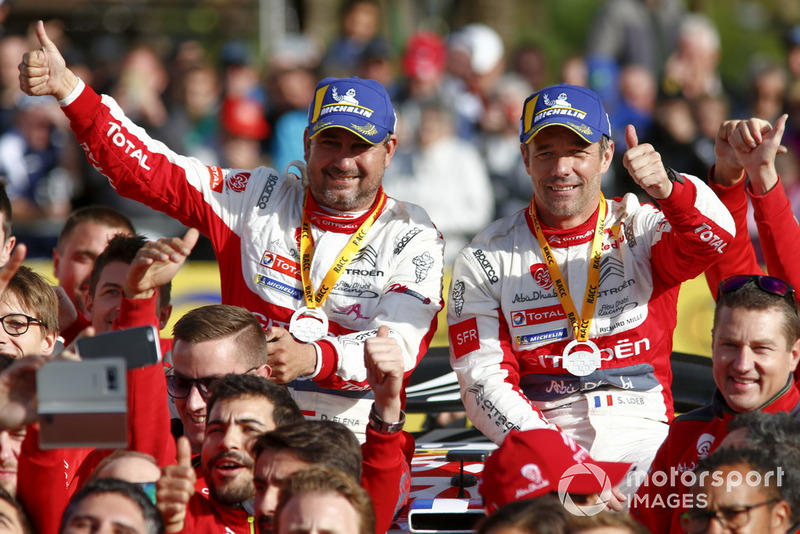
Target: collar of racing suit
point(566, 237)
point(786, 400)
point(325, 220)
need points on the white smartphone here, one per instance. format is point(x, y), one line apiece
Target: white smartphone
point(83, 404)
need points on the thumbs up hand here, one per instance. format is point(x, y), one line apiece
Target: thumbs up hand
point(44, 71)
point(645, 167)
point(176, 487)
point(383, 358)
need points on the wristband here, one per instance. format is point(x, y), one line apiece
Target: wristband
point(381, 426)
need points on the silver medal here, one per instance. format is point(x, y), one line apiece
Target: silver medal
point(308, 324)
point(581, 362)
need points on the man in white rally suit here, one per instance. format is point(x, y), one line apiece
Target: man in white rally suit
point(371, 260)
point(581, 342)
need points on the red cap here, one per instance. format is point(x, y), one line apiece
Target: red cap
point(244, 117)
point(534, 462)
point(425, 56)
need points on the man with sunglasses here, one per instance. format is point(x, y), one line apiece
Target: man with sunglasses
point(126, 290)
point(208, 343)
point(739, 490)
point(755, 350)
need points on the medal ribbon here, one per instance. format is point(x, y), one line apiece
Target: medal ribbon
point(580, 324)
point(314, 300)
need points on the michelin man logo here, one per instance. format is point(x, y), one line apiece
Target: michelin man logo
point(584, 470)
point(561, 101)
point(348, 98)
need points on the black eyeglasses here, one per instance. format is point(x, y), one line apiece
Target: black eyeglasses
point(16, 324)
point(769, 284)
point(731, 518)
point(179, 386)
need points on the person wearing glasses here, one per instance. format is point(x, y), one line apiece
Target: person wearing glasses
point(126, 290)
point(210, 342)
point(739, 490)
point(755, 350)
point(29, 313)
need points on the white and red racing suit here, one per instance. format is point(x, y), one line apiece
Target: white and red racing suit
point(253, 218)
point(508, 329)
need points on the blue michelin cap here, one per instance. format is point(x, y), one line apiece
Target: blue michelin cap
point(360, 106)
point(574, 107)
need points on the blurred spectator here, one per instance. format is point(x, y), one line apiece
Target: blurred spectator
point(360, 24)
point(638, 93)
point(530, 62)
point(476, 60)
point(291, 84)
point(245, 126)
point(691, 71)
point(240, 77)
point(376, 63)
point(141, 85)
point(11, 49)
point(574, 71)
point(32, 158)
point(630, 32)
point(446, 176)
point(194, 125)
point(768, 84)
point(709, 112)
point(674, 133)
point(423, 65)
point(500, 149)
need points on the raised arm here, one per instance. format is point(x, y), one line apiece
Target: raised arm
point(44, 71)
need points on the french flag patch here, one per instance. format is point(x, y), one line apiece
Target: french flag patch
point(603, 400)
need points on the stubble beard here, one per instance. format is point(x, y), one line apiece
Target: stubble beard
point(358, 199)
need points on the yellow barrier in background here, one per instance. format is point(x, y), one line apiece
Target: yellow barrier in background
point(197, 284)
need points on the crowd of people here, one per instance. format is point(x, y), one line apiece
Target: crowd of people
point(281, 409)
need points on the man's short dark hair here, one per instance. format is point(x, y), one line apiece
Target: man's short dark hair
point(217, 321)
point(543, 515)
point(326, 480)
point(233, 386)
point(37, 296)
point(316, 442)
point(752, 297)
point(152, 517)
point(775, 435)
point(123, 248)
point(100, 215)
point(756, 461)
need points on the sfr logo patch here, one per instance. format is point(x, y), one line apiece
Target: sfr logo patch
point(464, 337)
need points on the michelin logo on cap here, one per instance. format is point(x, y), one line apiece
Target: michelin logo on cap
point(577, 108)
point(360, 106)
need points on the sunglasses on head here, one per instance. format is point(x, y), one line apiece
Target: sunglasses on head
point(768, 284)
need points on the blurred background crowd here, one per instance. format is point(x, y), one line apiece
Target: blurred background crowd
point(229, 81)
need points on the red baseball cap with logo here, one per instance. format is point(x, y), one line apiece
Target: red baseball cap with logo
point(532, 463)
